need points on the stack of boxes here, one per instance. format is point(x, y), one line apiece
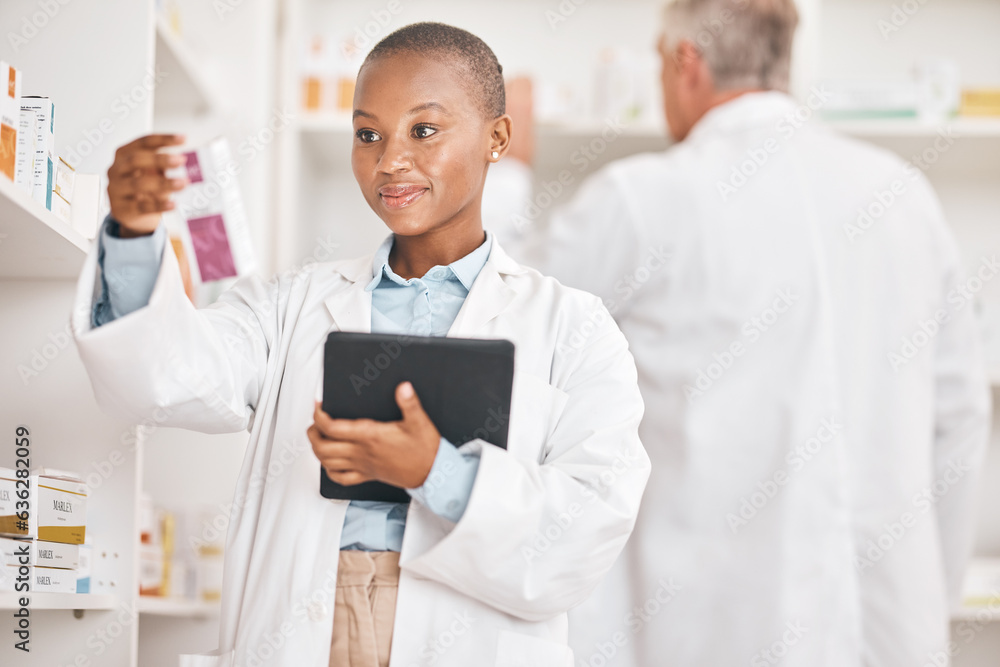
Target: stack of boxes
point(28, 157)
point(43, 551)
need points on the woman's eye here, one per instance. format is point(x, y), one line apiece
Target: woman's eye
point(423, 131)
point(368, 136)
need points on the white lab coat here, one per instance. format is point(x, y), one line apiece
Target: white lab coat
point(546, 518)
point(787, 517)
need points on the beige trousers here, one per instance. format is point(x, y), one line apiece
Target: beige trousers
point(365, 608)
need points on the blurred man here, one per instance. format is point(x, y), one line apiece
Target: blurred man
point(816, 406)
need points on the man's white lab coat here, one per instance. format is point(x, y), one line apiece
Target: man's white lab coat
point(816, 407)
point(545, 520)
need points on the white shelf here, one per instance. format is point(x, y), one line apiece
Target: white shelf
point(34, 243)
point(177, 607)
point(341, 122)
point(911, 127)
point(60, 601)
point(586, 127)
point(184, 89)
point(327, 121)
point(982, 613)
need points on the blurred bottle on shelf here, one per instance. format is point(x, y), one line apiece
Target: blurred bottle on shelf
point(939, 89)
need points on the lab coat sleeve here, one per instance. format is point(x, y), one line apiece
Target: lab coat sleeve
point(172, 365)
point(537, 536)
point(961, 413)
point(593, 243)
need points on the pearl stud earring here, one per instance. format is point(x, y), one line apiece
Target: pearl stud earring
point(495, 155)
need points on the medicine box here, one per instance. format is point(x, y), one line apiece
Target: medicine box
point(35, 552)
point(43, 181)
point(14, 578)
point(58, 507)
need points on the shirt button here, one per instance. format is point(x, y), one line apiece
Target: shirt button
point(438, 274)
point(317, 611)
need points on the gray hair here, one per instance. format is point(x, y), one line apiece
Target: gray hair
point(746, 43)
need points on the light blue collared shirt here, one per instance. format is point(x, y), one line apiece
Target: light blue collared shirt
point(424, 306)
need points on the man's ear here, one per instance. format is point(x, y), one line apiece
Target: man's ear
point(501, 131)
point(689, 61)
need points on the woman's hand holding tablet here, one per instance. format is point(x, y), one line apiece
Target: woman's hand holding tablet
point(400, 453)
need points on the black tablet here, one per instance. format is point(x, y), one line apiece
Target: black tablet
point(464, 385)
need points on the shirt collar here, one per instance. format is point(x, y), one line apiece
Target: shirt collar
point(466, 269)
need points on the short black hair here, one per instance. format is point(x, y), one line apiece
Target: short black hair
point(477, 62)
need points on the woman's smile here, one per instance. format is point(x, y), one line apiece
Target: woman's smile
point(400, 195)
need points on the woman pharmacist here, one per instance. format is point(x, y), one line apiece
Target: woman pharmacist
point(492, 558)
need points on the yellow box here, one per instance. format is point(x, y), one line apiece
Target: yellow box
point(980, 102)
point(58, 507)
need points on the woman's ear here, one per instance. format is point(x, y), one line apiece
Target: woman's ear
point(501, 133)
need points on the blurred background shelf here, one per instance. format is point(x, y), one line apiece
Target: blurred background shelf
point(156, 606)
point(60, 601)
point(960, 127)
point(981, 614)
point(34, 243)
point(184, 89)
point(324, 122)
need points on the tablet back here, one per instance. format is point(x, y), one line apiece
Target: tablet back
point(464, 385)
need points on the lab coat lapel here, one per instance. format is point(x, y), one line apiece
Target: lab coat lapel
point(351, 307)
point(490, 295)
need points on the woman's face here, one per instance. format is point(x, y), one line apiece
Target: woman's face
point(421, 144)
